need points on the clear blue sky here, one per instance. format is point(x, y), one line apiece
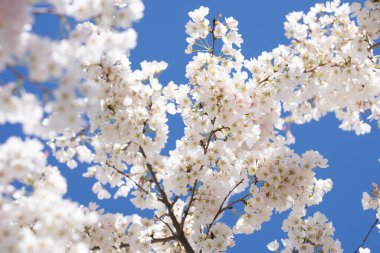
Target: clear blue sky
point(353, 159)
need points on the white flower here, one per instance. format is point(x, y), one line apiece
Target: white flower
point(231, 23)
point(220, 30)
point(199, 14)
point(364, 250)
point(368, 202)
point(273, 246)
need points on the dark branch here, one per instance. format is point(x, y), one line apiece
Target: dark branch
point(221, 208)
point(230, 205)
point(19, 76)
point(374, 46)
point(186, 212)
point(312, 69)
point(175, 200)
point(213, 36)
point(367, 235)
point(163, 240)
point(179, 234)
point(121, 246)
point(209, 137)
point(170, 228)
point(127, 176)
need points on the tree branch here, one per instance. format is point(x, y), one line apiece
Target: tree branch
point(163, 240)
point(213, 36)
point(221, 208)
point(176, 198)
point(312, 69)
point(179, 234)
point(127, 176)
point(170, 228)
point(229, 206)
point(374, 46)
point(19, 76)
point(367, 235)
point(186, 212)
point(121, 246)
point(209, 137)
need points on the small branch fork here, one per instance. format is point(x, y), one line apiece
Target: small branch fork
point(21, 77)
point(178, 233)
point(367, 235)
point(188, 206)
point(229, 206)
point(212, 133)
point(127, 176)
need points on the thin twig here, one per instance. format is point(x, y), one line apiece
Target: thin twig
point(121, 246)
point(229, 206)
point(367, 235)
point(186, 212)
point(221, 208)
point(312, 69)
point(209, 137)
point(20, 76)
point(213, 36)
point(374, 46)
point(179, 234)
point(175, 200)
point(170, 228)
point(127, 176)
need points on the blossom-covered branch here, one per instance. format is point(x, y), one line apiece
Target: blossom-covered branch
point(113, 120)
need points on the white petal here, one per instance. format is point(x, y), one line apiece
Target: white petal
point(273, 246)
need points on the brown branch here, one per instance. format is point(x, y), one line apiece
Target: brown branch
point(186, 212)
point(127, 176)
point(175, 200)
point(209, 137)
point(374, 46)
point(179, 234)
point(312, 69)
point(163, 240)
point(19, 76)
point(221, 208)
point(264, 80)
point(213, 36)
point(170, 228)
point(367, 235)
point(121, 246)
point(230, 205)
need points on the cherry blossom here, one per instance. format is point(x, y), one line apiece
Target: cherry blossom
point(79, 100)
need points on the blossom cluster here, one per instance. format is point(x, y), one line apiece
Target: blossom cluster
point(112, 119)
point(307, 234)
point(34, 215)
point(372, 201)
point(59, 60)
point(341, 46)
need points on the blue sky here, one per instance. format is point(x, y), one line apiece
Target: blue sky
point(353, 159)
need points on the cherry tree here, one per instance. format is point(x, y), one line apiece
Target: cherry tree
point(78, 99)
